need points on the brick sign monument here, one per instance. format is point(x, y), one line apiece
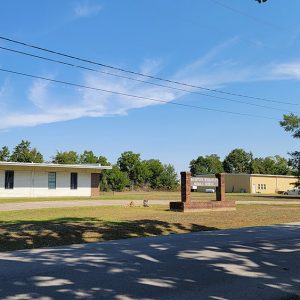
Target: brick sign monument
point(187, 204)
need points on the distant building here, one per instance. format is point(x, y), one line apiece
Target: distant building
point(49, 180)
point(256, 183)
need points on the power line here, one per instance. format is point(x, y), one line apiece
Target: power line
point(141, 74)
point(138, 80)
point(245, 39)
point(133, 96)
point(240, 12)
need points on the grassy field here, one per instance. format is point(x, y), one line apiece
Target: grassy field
point(153, 195)
point(63, 226)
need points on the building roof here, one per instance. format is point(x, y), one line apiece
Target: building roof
point(249, 175)
point(87, 167)
point(270, 175)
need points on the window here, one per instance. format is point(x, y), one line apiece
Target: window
point(74, 181)
point(52, 180)
point(9, 179)
point(262, 186)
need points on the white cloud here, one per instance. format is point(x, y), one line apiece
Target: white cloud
point(49, 103)
point(86, 9)
point(37, 93)
point(4, 94)
point(287, 70)
point(192, 70)
point(151, 66)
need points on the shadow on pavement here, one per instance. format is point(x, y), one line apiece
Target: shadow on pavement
point(252, 263)
point(67, 231)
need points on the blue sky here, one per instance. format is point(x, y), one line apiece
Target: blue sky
point(236, 46)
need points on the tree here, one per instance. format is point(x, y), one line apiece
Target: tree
point(209, 164)
point(114, 180)
point(141, 174)
point(4, 154)
point(104, 174)
point(168, 178)
point(88, 157)
point(257, 166)
point(294, 162)
point(276, 165)
point(237, 161)
point(131, 164)
point(154, 169)
point(102, 160)
point(24, 153)
point(281, 166)
point(67, 157)
point(291, 123)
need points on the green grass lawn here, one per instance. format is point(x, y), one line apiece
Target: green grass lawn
point(63, 226)
point(153, 195)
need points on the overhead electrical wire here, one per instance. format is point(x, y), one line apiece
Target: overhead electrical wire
point(143, 75)
point(240, 12)
point(138, 80)
point(133, 96)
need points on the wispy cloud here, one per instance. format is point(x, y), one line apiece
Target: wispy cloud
point(192, 70)
point(4, 93)
point(151, 66)
point(287, 70)
point(86, 9)
point(2, 90)
point(49, 103)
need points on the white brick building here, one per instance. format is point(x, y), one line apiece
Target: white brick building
point(48, 180)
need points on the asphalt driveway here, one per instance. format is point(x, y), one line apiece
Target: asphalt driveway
point(81, 203)
point(248, 263)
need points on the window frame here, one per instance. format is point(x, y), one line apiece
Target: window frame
point(51, 187)
point(73, 180)
point(9, 181)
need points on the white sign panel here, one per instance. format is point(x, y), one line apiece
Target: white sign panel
point(204, 181)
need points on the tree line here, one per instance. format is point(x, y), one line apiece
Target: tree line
point(291, 123)
point(130, 171)
point(241, 161)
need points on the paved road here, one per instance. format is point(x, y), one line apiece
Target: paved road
point(270, 202)
point(249, 263)
point(71, 203)
point(81, 203)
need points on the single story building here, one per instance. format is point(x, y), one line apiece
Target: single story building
point(255, 183)
point(49, 180)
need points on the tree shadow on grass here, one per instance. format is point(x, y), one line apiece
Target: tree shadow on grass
point(66, 231)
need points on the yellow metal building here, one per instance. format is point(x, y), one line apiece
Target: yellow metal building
point(258, 183)
point(255, 183)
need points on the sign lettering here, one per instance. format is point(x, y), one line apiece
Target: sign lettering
point(204, 181)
